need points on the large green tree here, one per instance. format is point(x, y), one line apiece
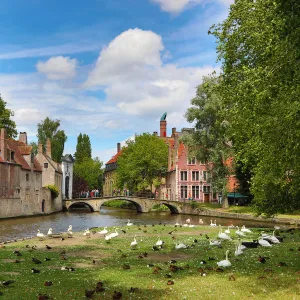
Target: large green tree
point(210, 141)
point(50, 129)
point(142, 162)
point(6, 121)
point(83, 147)
point(91, 171)
point(258, 45)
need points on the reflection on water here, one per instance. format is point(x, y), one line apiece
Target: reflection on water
point(83, 219)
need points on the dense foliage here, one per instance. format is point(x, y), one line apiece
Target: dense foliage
point(83, 148)
point(49, 129)
point(258, 45)
point(90, 171)
point(142, 162)
point(5, 119)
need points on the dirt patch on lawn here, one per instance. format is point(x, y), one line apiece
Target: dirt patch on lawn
point(91, 254)
point(165, 257)
point(10, 273)
point(9, 260)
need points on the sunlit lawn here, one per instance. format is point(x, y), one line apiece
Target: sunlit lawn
point(247, 278)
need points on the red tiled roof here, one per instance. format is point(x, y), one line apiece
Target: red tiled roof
point(25, 150)
point(19, 159)
point(36, 165)
point(114, 159)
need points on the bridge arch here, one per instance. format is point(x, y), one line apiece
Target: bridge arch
point(82, 203)
point(137, 205)
point(172, 208)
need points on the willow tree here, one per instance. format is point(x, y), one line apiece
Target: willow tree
point(258, 45)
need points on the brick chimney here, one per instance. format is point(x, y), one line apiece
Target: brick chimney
point(40, 148)
point(173, 131)
point(3, 148)
point(48, 148)
point(163, 128)
point(118, 147)
point(23, 137)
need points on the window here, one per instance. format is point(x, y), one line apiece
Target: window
point(183, 175)
point(195, 192)
point(192, 161)
point(12, 155)
point(183, 190)
point(205, 175)
point(206, 189)
point(27, 177)
point(46, 165)
point(195, 175)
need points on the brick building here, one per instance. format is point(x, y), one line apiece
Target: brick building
point(110, 174)
point(22, 180)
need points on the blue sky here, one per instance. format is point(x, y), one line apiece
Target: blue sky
point(107, 68)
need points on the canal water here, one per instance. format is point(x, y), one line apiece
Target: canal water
point(11, 229)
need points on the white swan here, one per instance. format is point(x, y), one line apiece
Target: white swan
point(240, 233)
point(264, 243)
point(177, 224)
point(225, 262)
point(134, 243)
point(244, 229)
point(180, 246)
point(50, 232)
point(191, 226)
point(227, 231)
point(188, 221)
point(238, 250)
point(129, 223)
point(87, 233)
point(274, 239)
point(69, 231)
point(240, 246)
point(159, 242)
point(223, 235)
point(200, 221)
point(114, 234)
point(214, 243)
point(108, 238)
point(103, 231)
point(213, 224)
point(40, 235)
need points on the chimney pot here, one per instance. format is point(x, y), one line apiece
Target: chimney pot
point(23, 137)
point(118, 147)
point(173, 131)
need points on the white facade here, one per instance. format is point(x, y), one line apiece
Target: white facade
point(67, 163)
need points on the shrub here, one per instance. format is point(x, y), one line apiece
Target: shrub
point(53, 189)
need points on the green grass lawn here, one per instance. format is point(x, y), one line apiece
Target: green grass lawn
point(247, 278)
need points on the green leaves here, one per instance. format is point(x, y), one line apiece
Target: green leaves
point(83, 147)
point(142, 163)
point(49, 129)
point(258, 45)
point(5, 120)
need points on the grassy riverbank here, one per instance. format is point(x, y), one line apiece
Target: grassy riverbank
point(125, 270)
point(130, 205)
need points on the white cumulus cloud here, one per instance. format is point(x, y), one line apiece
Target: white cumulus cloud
point(58, 67)
point(126, 57)
point(175, 6)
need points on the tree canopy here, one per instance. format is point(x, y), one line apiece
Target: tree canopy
point(90, 171)
point(210, 142)
point(258, 45)
point(83, 147)
point(6, 121)
point(49, 129)
point(142, 162)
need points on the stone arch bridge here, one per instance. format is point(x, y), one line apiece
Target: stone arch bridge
point(142, 204)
